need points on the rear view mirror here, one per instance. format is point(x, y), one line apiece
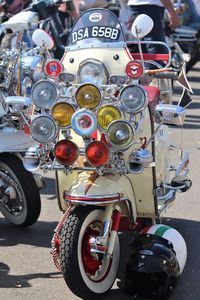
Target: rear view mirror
point(42, 38)
point(142, 25)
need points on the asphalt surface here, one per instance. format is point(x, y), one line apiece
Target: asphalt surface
point(26, 267)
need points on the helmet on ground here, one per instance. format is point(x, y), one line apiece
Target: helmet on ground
point(155, 264)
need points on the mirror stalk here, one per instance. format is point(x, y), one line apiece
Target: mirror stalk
point(137, 30)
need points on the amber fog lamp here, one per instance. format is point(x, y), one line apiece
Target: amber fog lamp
point(97, 153)
point(62, 112)
point(133, 98)
point(53, 67)
point(66, 152)
point(88, 96)
point(44, 94)
point(106, 115)
point(120, 134)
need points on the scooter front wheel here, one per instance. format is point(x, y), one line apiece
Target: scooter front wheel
point(88, 275)
point(20, 201)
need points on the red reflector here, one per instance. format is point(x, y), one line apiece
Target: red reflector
point(66, 152)
point(53, 68)
point(26, 130)
point(97, 153)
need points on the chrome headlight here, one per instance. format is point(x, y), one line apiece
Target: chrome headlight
point(133, 98)
point(44, 94)
point(43, 129)
point(120, 134)
point(92, 71)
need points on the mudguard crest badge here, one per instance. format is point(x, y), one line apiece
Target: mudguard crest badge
point(134, 69)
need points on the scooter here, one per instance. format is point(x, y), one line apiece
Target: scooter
point(19, 189)
point(107, 137)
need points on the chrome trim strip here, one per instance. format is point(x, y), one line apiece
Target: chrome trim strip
point(166, 199)
point(96, 45)
point(95, 199)
point(181, 165)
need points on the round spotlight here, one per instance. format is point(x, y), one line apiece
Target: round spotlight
point(44, 129)
point(62, 112)
point(84, 122)
point(120, 134)
point(66, 152)
point(88, 96)
point(107, 114)
point(44, 94)
point(97, 153)
point(133, 98)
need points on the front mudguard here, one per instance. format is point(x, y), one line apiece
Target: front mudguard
point(15, 140)
point(92, 185)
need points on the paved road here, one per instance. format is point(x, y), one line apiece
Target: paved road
point(26, 267)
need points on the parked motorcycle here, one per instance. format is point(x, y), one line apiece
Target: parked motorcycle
point(107, 137)
point(19, 189)
point(188, 35)
point(22, 62)
point(44, 14)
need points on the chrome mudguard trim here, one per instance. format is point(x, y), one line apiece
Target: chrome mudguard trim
point(95, 199)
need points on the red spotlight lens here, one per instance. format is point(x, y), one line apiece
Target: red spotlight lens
point(97, 153)
point(66, 152)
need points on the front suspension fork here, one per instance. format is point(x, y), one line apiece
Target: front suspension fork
point(104, 244)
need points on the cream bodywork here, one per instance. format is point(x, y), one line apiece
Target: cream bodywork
point(105, 55)
point(139, 188)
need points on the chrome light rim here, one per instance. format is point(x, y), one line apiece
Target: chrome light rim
point(130, 110)
point(35, 97)
point(54, 129)
point(114, 146)
point(115, 106)
point(97, 88)
point(99, 65)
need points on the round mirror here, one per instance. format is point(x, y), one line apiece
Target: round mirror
point(41, 37)
point(142, 25)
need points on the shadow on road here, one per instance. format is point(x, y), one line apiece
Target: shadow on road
point(49, 188)
point(41, 234)
point(195, 69)
point(193, 79)
point(21, 281)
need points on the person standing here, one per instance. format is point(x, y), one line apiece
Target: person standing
point(155, 9)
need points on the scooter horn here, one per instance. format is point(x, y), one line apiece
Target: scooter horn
point(31, 160)
point(138, 160)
